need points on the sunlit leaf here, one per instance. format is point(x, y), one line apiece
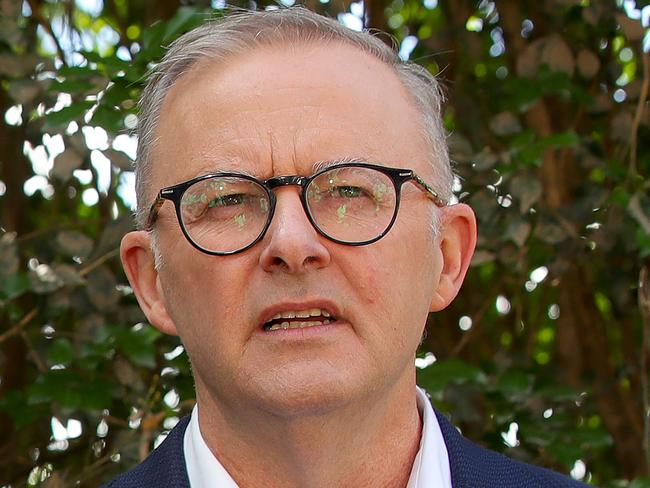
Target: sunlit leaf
point(108, 118)
point(67, 114)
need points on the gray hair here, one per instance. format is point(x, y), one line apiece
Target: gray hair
point(243, 31)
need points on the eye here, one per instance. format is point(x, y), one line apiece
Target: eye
point(223, 201)
point(349, 191)
point(201, 206)
point(228, 200)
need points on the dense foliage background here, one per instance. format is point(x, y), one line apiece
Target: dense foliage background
point(543, 356)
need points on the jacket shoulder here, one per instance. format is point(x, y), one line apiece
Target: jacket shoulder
point(473, 466)
point(164, 467)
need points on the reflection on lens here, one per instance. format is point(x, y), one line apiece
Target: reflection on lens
point(224, 214)
point(352, 204)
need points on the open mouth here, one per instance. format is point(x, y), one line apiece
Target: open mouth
point(299, 319)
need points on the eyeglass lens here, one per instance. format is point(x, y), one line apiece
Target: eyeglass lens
point(350, 204)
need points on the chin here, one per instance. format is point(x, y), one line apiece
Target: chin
point(289, 396)
point(299, 404)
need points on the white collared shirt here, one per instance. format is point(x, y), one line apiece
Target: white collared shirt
point(430, 467)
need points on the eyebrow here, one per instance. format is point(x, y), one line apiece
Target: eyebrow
point(213, 171)
point(317, 166)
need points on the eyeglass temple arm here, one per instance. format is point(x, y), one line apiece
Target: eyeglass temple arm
point(430, 192)
point(153, 212)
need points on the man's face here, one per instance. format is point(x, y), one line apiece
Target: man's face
point(278, 111)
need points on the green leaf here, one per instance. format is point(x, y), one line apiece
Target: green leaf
point(116, 94)
point(557, 393)
point(523, 139)
point(111, 62)
point(70, 390)
point(97, 394)
point(640, 483)
point(61, 352)
point(522, 94)
point(109, 118)
point(54, 385)
point(437, 376)
point(152, 40)
point(514, 383)
point(591, 438)
point(643, 241)
point(620, 196)
point(14, 285)
point(67, 114)
point(14, 402)
point(77, 72)
point(184, 19)
point(562, 139)
point(72, 85)
point(537, 434)
point(564, 452)
point(137, 344)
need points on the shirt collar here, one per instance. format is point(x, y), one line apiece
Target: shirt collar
point(430, 467)
point(203, 469)
point(431, 464)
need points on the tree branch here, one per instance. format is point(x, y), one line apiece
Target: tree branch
point(643, 96)
point(99, 261)
point(644, 308)
point(16, 328)
point(42, 367)
point(36, 13)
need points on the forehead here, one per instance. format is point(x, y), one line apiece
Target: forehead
point(281, 109)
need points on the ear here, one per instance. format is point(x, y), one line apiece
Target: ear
point(139, 264)
point(457, 241)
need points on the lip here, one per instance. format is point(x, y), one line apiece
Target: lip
point(268, 313)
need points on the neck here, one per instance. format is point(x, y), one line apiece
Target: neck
point(365, 444)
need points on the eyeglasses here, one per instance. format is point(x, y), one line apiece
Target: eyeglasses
point(350, 203)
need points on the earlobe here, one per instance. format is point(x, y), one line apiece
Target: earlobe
point(139, 265)
point(457, 242)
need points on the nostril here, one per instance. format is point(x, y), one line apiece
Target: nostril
point(311, 260)
point(278, 262)
point(296, 257)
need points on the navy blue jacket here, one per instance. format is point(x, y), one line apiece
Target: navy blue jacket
point(472, 466)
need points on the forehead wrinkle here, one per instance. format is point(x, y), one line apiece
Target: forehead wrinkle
point(220, 164)
point(233, 155)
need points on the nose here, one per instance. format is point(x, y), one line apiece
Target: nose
point(291, 243)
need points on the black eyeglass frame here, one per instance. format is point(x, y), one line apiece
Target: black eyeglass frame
point(397, 176)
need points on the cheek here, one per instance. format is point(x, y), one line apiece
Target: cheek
point(368, 274)
point(204, 293)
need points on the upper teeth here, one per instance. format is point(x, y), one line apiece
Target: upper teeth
point(301, 314)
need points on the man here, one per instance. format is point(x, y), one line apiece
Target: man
point(275, 151)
